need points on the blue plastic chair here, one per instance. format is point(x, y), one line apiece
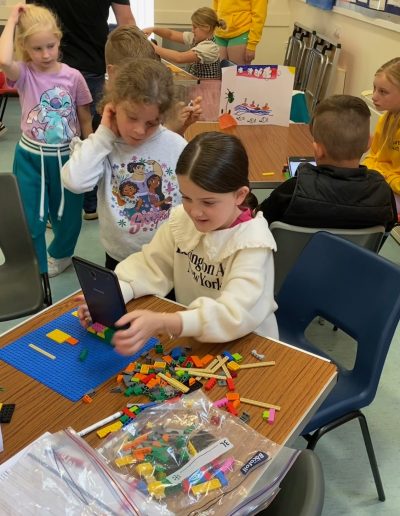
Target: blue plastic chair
point(359, 292)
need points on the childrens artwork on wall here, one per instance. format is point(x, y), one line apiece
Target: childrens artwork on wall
point(257, 94)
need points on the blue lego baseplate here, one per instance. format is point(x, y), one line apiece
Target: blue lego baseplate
point(66, 374)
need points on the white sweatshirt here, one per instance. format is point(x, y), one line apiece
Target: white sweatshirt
point(137, 185)
point(225, 277)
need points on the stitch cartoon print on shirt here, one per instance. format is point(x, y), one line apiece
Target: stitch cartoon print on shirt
point(54, 117)
point(142, 194)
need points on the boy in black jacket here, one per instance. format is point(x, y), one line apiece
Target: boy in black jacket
point(338, 192)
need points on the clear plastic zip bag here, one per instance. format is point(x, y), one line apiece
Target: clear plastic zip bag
point(61, 474)
point(189, 457)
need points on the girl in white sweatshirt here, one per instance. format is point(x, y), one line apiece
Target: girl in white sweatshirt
point(216, 255)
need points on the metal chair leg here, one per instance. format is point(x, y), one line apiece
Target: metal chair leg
point(46, 289)
point(313, 438)
point(371, 456)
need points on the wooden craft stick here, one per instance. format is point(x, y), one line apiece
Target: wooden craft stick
point(194, 369)
point(208, 368)
point(259, 403)
point(226, 371)
point(174, 383)
point(42, 351)
point(257, 364)
point(207, 375)
point(220, 362)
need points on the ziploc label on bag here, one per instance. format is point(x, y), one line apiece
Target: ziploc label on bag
point(255, 461)
point(206, 456)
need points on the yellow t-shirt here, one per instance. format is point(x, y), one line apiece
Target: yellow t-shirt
point(384, 157)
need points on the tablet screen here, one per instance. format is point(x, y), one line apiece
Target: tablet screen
point(294, 164)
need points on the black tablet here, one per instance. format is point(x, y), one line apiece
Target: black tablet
point(295, 161)
point(102, 292)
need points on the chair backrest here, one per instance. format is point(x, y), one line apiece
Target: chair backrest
point(351, 287)
point(21, 291)
point(291, 240)
point(302, 490)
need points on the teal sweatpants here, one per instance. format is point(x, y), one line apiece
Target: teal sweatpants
point(27, 168)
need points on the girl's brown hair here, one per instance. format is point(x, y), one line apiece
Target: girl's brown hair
point(216, 162)
point(142, 81)
point(207, 17)
point(33, 20)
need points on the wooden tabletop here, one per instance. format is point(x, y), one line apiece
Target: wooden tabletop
point(298, 383)
point(268, 147)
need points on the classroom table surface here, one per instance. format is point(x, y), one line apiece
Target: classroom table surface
point(298, 383)
point(267, 146)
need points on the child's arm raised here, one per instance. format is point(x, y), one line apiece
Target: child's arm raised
point(172, 35)
point(7, 63)
point(187, 56)
point(87, 162)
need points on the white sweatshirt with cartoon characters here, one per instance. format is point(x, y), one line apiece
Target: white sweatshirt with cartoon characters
point(225, 277)
point(137, 186)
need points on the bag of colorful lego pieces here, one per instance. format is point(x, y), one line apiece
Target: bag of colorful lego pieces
point(61, 474)
point(190, 456)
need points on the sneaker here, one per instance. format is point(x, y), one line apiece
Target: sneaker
point(90, 215)
point(3, 129)
point(57, 266)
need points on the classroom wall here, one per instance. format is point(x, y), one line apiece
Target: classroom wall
point(271, 50)
point(364, 46)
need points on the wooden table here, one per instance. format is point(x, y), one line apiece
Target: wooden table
point(268, 147)
point(298, 382)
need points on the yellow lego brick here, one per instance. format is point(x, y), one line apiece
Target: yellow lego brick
point(145, 469)
point(191, 449)
point(205, 487)
point(75, 314)
point(157, 489)
point(145, 369)
point(124, 461)
point(108, 429)
point(233, 366)
point(58, 336)
point(159, 365)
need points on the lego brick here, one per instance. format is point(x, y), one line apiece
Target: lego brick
point(6, 413)
point(104, 363)
point(58, 336)
point(72, 341)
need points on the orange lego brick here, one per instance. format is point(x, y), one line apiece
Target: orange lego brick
point(167, 359)
point(120, 378)
point(72, 341)
point(197, 361)
point(232, 396)
point(130, 367)
point(207, 359)
point(87, 399)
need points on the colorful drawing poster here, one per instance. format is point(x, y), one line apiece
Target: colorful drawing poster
point(257, 94)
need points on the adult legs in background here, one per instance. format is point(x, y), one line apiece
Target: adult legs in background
point(95, 84)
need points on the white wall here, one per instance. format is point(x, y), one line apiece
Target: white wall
point(271, 50)
point(364, 46)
